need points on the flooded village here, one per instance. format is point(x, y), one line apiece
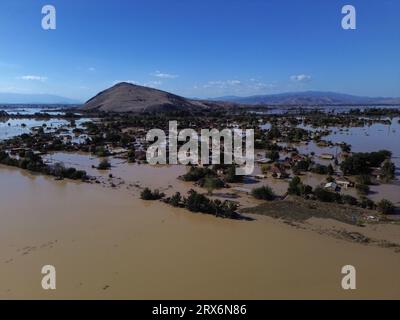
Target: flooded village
point(347, 158)
point(326, 174)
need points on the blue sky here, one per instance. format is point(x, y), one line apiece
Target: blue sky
point(202, 48)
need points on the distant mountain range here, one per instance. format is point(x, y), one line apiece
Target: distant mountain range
point(126, 97)
point(309, 98)
point(19, 98)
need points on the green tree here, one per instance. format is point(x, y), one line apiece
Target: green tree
point(273, 155)
point(212, 183)
point(388, 171)
point(104, 165)
point(385, 206)
point(362, 189)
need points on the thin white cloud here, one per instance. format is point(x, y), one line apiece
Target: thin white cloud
point(92, 69)
point(33, 78)
point(238, 87)
point(222, 84)
point(162, 75)
point(300, 78)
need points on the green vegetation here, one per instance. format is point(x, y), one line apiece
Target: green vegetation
point(101, 152)
point(301, 166)
point(388, 171)
point(385, 206)
point(197, 173)
point(147, 194)
point(231, 176)
point(263, 193)
point(211, 183)
point(367, 203)
point(104, 165)
point(296, 187)
point(363, 189)
point(273, 155)
point(324, 195)
point(34, 163)
point(361, 163)
point(364, 179)
point(196, 202)
point(323, 170)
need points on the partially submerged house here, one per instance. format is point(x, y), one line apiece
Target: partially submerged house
point(344, 183)
point(277, 172)
point(327, 156)
point(332, 186)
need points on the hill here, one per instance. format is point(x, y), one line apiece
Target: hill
point(126, 97)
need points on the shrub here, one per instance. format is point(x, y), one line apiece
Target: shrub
point(175, 200)
point(296, 187)
point(265, 168)
point(326, 196)
point(197, 173)
point(101, 152)
point(320, 169)
point(350, 200)
point(147, 194)
point(273, 155)
point(388, 171)
point(263, 193)
point(362, 189)
point(131, 156)
point(367, 203)
point(104, 165)
point(385, 206)
point(364, 179)
point(211, 183)
point(231, 177)
point(196, 202)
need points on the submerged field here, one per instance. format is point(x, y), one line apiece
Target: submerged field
point(109, 244)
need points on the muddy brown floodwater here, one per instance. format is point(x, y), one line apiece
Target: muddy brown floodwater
point(109, 244)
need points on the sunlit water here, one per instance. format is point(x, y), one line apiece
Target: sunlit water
point(10, 128)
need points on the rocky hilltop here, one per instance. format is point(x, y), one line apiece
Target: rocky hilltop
point(127, 97)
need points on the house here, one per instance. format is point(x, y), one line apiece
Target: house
point(116, 151)
point(260, 176)
point(327, 156)
point(264, 160)
point(344, 183)
point(323, 143)
point(297, 157)
point(332, 186)
point(277, 172)
point(345, 155)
